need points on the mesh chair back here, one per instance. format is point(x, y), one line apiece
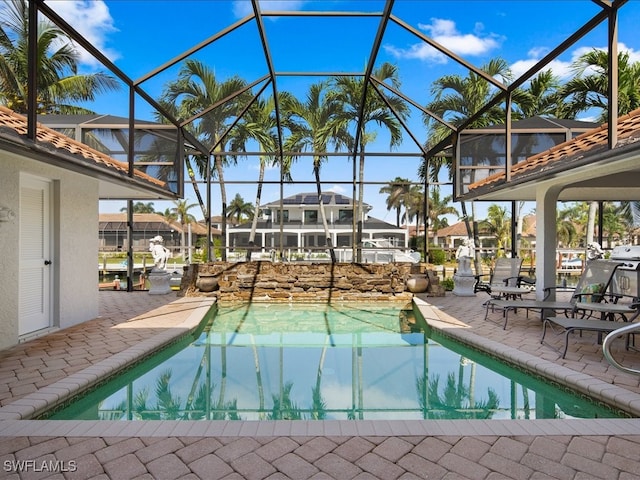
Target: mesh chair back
point(594, 281)
point(506, 272)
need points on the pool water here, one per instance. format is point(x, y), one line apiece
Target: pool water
point(338, 361)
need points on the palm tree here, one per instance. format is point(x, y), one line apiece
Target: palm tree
point(584, 92)
point(498, 224)
point(59, 84)
point(181, 211)
point(311, 128)
point(140, 207)
point(350, 92)
point(413, 201)
point(197, 89)
point(168, 404)
point(169, 215)
point(439, 206)
point(283, 407)
point(539, 98)
point(238, 208)
point(259, 123)
point(614, 225)
point(395, 190)
point(568, 221)
point(630, 214)
point(455, 401)
point(456, 100)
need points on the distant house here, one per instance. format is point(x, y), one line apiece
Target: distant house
point(113, 232)
point(302, 228)
point(452, 236)
point(50, 189)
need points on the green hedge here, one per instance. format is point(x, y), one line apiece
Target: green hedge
point(437, 256)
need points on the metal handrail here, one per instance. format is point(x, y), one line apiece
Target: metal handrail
point(608, 340)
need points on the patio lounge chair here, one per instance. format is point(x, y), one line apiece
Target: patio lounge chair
point(505, 280)
point(591, 288)
point(606, 324)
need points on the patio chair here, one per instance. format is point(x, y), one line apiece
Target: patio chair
point(606, 323)
point(590, 289)
point(505, 281)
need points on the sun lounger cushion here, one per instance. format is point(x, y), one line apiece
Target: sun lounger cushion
point(589, 293)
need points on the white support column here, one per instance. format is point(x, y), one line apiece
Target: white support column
point(546, 241)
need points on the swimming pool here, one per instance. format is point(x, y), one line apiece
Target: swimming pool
point(338, 361)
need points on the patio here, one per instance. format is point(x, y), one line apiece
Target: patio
point(131, 322)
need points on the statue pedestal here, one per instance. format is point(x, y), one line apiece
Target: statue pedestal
point(159, 282)
point(464, 280)
point(463, 285)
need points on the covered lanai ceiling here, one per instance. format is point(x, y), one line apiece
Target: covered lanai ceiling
point(278, 47)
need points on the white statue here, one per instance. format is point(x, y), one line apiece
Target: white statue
point(464, 254)
point(160, 253)
point(594, 251)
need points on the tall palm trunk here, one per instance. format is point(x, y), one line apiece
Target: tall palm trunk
point(591, 221)
point(196, 189)
point(223, 199)
point(360, 209)
point(256, 211)
point(182, 239)
point(323, 214)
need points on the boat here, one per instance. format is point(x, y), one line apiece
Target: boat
point(380, 250)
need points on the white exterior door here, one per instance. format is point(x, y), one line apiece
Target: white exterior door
point(35, 255)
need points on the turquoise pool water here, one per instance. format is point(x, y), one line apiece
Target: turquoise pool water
point(340, 361)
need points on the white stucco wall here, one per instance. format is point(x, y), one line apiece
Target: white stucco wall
point(75, 245)
point(9, 198)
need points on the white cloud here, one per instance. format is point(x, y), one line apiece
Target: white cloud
point(255, 165)
point(335, 189)
point(242, 8)
point(92, 19)
point(560, 68)
point(446, 34)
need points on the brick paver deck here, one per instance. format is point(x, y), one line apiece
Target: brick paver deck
point(38, 372)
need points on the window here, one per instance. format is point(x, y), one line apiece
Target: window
point(310, 216)
point(345, 216)
point(285, 216)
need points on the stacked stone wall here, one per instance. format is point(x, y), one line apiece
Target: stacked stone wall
point(300, 282)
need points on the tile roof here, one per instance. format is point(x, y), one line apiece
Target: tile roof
point(18, 124)
point(458, 229)
point(197, 228)
point(586, 144)
point(311, 198)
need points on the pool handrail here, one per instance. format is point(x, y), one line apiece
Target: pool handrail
point(633, 327)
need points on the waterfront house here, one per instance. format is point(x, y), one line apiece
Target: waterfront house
point(298, 219)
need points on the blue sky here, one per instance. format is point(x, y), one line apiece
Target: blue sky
point(139, 36)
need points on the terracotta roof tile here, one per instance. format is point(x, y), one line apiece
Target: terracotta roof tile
point(588, 143)
point(18, 123)
point(458, 229)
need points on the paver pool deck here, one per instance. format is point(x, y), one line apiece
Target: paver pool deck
point(35, 374)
